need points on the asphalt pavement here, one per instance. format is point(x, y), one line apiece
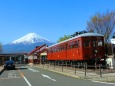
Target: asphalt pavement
point(35, 76)
point(107, 77)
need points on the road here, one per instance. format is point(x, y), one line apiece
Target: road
point(34, 76)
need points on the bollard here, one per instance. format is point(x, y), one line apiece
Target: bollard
point(43, 65)
point(78, 65)
point(100, 70)
point(54, 65)
point(75, 69)
point(47, 65)
point(85, 69)
point(66, 64)
point(71, 64)
point(62, 66)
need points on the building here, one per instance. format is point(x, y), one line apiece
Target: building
point(38, 55)
point(111, 58)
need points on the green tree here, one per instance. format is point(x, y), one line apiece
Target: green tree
point(102, 23)
point(63, 38)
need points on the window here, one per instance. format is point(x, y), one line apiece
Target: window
point(100, 43)
point(87, 43)
point(62, 48)
point(94, 43)
point(71, 45)
point(49, 51)
point(76, 44)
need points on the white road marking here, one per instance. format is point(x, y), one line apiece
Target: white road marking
point(48, 77)
point(104, 82)
point(11, 75)
point(25, 79)
point(11, 78)
point(33, 70)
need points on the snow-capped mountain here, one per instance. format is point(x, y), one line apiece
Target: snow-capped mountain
point(25, 44)
point(29, 39)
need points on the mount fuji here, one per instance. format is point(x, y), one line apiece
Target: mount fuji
point(25, 44)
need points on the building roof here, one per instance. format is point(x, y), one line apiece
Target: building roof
point(38, 49)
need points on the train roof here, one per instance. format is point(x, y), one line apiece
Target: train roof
point(81, 35)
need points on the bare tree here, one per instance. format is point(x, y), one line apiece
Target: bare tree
point(103, 24)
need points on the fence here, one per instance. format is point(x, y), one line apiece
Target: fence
point(83, 70)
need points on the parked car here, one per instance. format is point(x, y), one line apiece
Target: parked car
point(9, 65)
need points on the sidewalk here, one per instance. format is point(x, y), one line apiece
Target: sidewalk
point(81, 74)
point(1, 69)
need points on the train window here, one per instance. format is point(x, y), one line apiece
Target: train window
point(94, 43)
point(62, 48)
point(66, 47)
point(100, 43)
point(76, 44)
point(50, 51)
point(71, 45)
point(87, 43)
point(57, 49)
point(54, 49)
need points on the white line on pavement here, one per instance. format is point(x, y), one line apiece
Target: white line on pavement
point(104, 82)
point(33, 70)
point(25, 79)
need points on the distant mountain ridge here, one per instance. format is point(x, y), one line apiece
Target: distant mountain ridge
point(25, 44)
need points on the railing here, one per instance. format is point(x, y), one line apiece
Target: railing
point(80, 70)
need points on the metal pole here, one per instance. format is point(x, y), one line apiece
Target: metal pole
point(47, 64)
point(62, 66)
point(66, 64)
point(78, 65)
point(85, 68)
point(75, 69)
point(54, 65)
point(100, 70)
point(71, 64)
point(43, 64)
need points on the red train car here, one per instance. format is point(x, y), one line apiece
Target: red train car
point(87, 47)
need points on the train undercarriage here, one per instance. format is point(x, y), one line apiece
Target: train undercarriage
point(91, 63)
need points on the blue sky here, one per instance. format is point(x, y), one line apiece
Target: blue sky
point(48, 18)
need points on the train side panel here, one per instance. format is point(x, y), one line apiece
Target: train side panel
point(74, 51)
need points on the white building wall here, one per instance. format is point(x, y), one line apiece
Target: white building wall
point(30, 57)
point(111, 62)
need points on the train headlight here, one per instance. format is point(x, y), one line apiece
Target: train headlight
point(95, 51)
